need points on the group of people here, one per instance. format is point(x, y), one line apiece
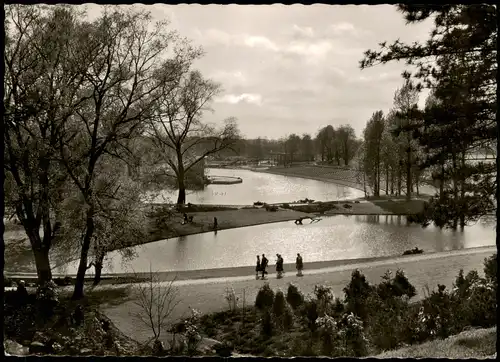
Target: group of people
point(263, 263)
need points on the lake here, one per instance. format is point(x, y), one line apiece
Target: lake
point(333, 238)
point(258, 186)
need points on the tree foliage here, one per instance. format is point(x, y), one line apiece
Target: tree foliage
point(458, 62)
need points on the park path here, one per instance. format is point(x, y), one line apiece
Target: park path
point(207, 295)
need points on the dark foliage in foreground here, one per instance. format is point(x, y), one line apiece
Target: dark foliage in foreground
point(368, 320)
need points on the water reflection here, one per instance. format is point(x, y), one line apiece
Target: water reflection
point(333, 238)
point(263, 187)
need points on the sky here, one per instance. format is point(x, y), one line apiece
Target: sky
point(293, 69)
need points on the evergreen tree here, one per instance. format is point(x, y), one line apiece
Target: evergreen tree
point(459, 63)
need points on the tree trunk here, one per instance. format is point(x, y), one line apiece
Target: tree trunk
point(82, 267)
point(417, 181)
point(408, 174)
point(42, 263)
point(392, 181)
point(441, 182)
point(400, 176)
point(387, 179)
point(455, 189)
point(98, 267)
point(462, 194)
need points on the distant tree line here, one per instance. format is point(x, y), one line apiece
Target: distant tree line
point(332, 146)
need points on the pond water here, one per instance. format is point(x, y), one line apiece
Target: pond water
point(257, 186)
point(333, 238)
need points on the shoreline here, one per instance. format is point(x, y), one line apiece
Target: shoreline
point(248, 272)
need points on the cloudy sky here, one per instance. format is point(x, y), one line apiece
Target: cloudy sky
point(293, 69)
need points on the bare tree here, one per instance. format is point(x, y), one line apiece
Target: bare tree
point(405, 100)
point(177, 128)
point(373, 149)
point(156, 303)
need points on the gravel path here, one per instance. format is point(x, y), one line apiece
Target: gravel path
point(208, 295)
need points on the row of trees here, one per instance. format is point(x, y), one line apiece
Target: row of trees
point(336, 146)
point(79, 96)
point(459, 64)
point(390, 156)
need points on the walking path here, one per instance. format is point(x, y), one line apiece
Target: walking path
point(207, 295)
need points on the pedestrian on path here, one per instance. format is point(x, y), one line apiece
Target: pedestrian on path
point(215, 223)
point(263, 266)
point(299, 265)
point(257, 268)
point(279, 267)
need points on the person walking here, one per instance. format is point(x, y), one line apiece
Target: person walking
point(257, 268)
point(299, 265)
point(279, 267)
point(263, 266)
point(215, 223)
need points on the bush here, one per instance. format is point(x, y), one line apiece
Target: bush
point(490, 269)
point(47, 298)
point(309, 314)
point(266, 323)
point(324, 297)
point(395, 287)
point(356, 293)
point(347, 206)
point(285, 206)
point(287, 318)
point(279, 304)
point(353, 335)
point(265, 297)
point(294, 297)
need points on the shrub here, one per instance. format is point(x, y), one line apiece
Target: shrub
point(287, 318)
point(266, 323)
point(436, 315)
point(47, 298)
point(347, 206)
point(324, 297)
point(309, 313)
point(265, 297)
point(294, 297)
point(490, 269)
point(279, 304)
point(258, 203)
point(285, 206)
point(386, 325)
point(395, 287)
point(356, 293)
point(329, 333)
point(352, 333)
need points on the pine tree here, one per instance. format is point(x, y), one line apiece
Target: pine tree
point(459, 63)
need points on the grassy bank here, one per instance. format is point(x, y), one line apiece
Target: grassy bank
point(344, 177)
point(474, 343)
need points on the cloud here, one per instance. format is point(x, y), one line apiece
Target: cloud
point(345, 28)
point(228, 77)
point(242, 98)
point(302, 32)
point(259, 41)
